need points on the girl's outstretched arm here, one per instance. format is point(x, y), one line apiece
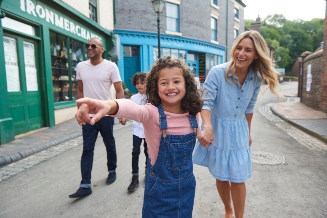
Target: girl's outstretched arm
point(93, 106)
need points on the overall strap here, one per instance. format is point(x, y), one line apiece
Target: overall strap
point(194, 123)
point(162, 121)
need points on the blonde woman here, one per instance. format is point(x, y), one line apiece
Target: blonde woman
point(230, 93)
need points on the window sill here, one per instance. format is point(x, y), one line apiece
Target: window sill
point(214, 42)
point(215, 6)
point(173, 33)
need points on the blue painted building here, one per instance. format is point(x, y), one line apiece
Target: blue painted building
point(194, 32)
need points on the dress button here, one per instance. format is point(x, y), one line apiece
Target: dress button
point(236, 106)
point(239, 98)
point(235, 115)
point(242, 90)
point(152, 173)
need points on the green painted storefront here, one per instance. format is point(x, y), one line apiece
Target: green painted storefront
point(41, 43)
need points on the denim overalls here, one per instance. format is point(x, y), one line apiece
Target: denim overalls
point(170, 183)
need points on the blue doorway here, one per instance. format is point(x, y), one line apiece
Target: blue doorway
point(131, 65)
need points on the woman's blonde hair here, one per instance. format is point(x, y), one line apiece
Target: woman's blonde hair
point(263, 64)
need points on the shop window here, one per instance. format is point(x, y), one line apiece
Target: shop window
point(93, 10)
point(182, 55)
point(63, 62)
point(172, 17)
point(215, 2)
point(165, 52)
point(76, 56)
point(174, 53)
point(214, 29)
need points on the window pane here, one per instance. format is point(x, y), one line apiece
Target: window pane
point(11, 64)
point(59, 63)
point(182, 54)
point(214, 29)
point(30, 67)
point(131, 51)
point(172, 17)
point(174, 53)
point(166, 51)
point(93, 12)
point(155, 54)
point(236, 12)
point(76, 56)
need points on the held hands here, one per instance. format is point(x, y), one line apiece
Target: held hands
point(122, 120)
point(207, 137)
point(91, 106)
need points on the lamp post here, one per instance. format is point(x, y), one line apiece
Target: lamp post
point(158, 6)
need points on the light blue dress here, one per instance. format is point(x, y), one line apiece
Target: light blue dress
point(228, 158)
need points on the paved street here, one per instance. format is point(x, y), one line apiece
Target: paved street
point(289, 176)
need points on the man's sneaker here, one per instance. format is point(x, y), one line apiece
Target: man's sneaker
point(134, 184)
point(111, 178)
point(81, 192)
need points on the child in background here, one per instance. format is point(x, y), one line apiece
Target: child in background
point(170, 127)
point(138, 80)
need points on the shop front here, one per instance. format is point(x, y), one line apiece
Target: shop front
point(42, 42)
point(138, 51)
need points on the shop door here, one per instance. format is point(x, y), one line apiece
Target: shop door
point(23, 84)
point(194, 69)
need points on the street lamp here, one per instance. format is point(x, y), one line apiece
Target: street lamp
point(158, 6)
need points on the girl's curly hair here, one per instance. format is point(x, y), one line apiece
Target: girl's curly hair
point(191, 102)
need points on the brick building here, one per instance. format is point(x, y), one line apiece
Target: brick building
point(199, 32)
point(313, 77)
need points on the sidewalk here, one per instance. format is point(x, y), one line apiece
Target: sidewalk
point(298, 114)
point(312, 121)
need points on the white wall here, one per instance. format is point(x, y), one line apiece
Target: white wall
point(105, 14)
point(104, 7)
point(80, 5)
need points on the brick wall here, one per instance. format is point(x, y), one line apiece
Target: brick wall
point(323, 102)
point(314, 97)
point(195, 19)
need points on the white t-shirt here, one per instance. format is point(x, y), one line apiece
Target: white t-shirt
point(138, 129)
point(97, 79)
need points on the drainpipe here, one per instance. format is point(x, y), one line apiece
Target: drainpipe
point(226, 53)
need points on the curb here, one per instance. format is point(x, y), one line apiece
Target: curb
point(320, 137)
point(13, 157)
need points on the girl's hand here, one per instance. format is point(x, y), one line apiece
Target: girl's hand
point(91, 106)
point(250, 141)
point(207, 137)
point(122, 120)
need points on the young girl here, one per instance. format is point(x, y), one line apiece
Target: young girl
point(230, 92)
point(170, 127)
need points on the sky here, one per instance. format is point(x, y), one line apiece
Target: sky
point(291, 9)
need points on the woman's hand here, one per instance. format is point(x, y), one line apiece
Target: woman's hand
point(91, 106)
point(207, 137)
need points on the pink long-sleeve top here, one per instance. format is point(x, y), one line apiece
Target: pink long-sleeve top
point(178, 124)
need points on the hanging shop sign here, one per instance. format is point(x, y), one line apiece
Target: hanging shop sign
point(51, 17)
